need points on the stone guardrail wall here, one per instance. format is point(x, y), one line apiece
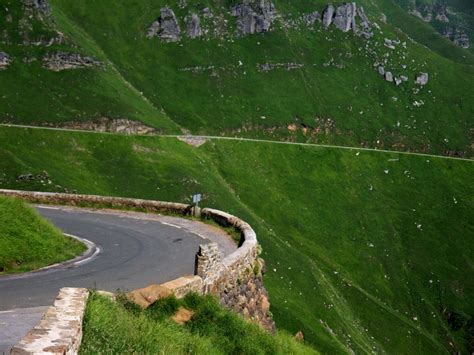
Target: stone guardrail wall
point(60, 329)
point(236, 280)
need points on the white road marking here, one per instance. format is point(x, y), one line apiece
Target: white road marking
point(48, 208)
point(172, 225)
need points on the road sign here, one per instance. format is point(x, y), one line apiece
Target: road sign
point(197, 198)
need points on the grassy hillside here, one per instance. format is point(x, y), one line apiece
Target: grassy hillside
point(366, 251)
point(31, 94)
point(28, 242)
point(116, 328)
point(215, 85)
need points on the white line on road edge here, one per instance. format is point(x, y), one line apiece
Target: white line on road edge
point(243, 140)
point(48, 208)
point(171, 225)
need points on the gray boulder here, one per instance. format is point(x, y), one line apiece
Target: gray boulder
point(40, 5)
point(328, 15)
point(254, 16)
point(345, 17)
point(389, 76)
point(381, 70)
point(193, 26)
point(366, 28)
point(166, 27)
point(398, 81)
point(4, 60)
point(422, 79)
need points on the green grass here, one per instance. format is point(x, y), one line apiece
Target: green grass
point(28, 242)
point(365, 250)
point(143, 79)
point(122, 328)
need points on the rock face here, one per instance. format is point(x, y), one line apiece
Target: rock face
point(458, 36)
point(328, 14)
point(193, 26)
point(122, 126)
point(40, 5)
point(63, 61)
point(4, 60)
point(311, 18)
point(166, 27)
point(254, 16)
point(422, 79)
point(345, 17)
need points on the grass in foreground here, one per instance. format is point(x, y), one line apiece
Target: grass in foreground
point(122, 327)
point(28, 242)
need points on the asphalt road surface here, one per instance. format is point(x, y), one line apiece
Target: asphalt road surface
point(135, 251)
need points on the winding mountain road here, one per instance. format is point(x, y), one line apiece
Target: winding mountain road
point(135, 250)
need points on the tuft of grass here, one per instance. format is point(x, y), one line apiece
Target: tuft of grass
point(28, 242)
point(116, 328)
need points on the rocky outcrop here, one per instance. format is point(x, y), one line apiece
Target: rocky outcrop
point(328, 14)
point(5, 60)
point(39, 5)
point(345, 17)
point(166, 27)
point(193, 26)
point(311, 18)
point(422, 79)
point(266, 67)
point(254, 16)
point(60, 61)
point(457, 35)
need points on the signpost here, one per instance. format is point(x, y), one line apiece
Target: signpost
point(196, 199)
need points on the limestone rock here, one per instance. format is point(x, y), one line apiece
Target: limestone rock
point(63, 61)
point(311, 18)
point(145, 297)
point(166, 27)
point(5, 60)
point(422, 79)
point(398, 81)
point(328, 14)
point(364, 23)
point(389, 76)
point(254, 16)
point(345, 17)
point(458, 36)
point(193, 26)
point(381, 70)
point(40, 5)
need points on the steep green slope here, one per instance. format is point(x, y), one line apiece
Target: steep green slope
point(322, 86)
point(29, 93)
point(28, 242)
point(366, 251)
point(216, 85)
point(445, 15)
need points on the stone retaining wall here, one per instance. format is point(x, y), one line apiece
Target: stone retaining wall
point(60, 329)
point(236, 280)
